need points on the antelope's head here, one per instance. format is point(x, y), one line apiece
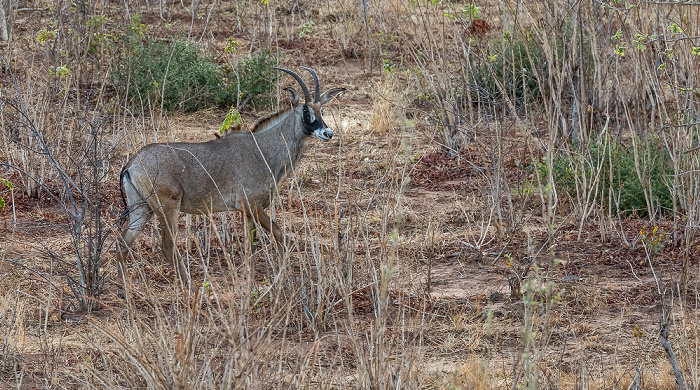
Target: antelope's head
point(312, 111)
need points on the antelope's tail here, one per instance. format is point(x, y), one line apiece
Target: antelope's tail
point(125, 213)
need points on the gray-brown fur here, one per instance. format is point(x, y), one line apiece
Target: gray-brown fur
point(238, 171)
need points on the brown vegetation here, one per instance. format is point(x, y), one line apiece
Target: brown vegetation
point(509, 201)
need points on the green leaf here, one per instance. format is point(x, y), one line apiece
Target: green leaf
point(46, 35)
point(307, 28)
point(675, 29)
point(61, 72)
point(231, 45)
point(231, 119)
point(8, 185)
point(620, 50)
point(472, 11)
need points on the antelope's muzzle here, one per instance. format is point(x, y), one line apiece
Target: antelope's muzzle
point(323, 133)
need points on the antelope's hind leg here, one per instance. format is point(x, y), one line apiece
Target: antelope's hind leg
point(136, 220)
point(168, 213)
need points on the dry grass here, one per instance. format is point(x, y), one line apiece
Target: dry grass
point(459, 265)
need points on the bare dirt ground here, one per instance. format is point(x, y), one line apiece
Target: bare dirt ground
point(599, 312)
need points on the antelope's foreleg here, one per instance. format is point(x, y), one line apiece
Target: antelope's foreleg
point(259, 214)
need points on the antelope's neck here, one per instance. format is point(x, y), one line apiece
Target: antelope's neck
point(281, 140)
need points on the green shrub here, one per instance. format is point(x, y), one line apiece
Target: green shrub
point(253, 82)
point(505, 68)
point(179, 76)
point(515, 66)
point(173, 73)
point(564, 175)
point(626, 183)
point(626, 180)
point(509, 64)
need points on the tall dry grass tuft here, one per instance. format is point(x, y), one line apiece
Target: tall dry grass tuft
point(221, 332)
point(11, 318)
point(388, 104)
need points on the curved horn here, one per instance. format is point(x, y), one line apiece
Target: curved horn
point(317, 85)
point(307, 97)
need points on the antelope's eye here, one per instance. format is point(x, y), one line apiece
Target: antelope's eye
point(312, 117)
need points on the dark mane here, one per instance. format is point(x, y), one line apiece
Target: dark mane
point(260, 123)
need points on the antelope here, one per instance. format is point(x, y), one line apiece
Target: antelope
point(237, 171)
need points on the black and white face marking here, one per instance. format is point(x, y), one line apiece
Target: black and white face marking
point(314, 125)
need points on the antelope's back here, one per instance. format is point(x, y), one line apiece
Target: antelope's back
point(219, 173)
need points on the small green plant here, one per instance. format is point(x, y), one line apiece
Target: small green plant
point(639, 39)
point(653, 239)
point(383, 38)
point(508, 260)
point(472, 11)
point(675, 29)
point(207, 287)
point(8, 185)
point(395, 238)
point(307, 28)
point(387, 66)
point(136, 29)
point(46, 35)
point(563, 172)
point(232, 45)
point(103, 37)
point(324, 168)
point(61, 72)
point(522, 52)
point(621, 50)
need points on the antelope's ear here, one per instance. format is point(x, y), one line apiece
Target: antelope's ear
point(293, 95)
point(329, 95)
